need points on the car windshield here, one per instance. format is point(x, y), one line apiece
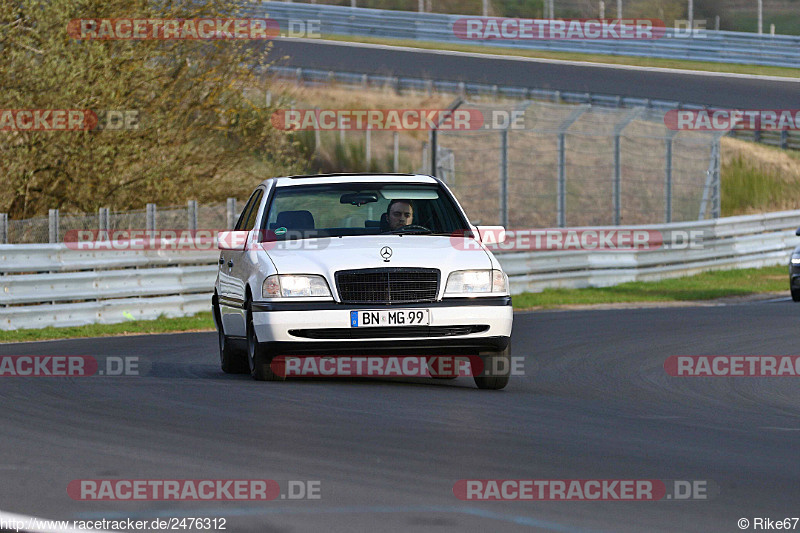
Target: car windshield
point(334, 210)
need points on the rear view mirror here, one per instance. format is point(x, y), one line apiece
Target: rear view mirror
point(358, 198)
point(232, 240)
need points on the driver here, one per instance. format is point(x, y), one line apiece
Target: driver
point(400, 213)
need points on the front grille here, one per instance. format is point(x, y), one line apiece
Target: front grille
point(388, 332)
point(388, 285)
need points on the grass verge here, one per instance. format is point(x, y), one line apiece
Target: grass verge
point(706, 286)
point(734, 68)
point(199, 322)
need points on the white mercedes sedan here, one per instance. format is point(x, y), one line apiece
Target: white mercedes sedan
point(360, 264)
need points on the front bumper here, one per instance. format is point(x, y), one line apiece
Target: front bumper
point(457, 327)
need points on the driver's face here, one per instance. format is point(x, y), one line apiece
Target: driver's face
point(400, 215)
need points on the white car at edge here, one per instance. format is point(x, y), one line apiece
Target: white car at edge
point(314, 266)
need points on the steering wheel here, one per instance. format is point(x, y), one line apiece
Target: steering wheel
point(409, 227)
point(415, 227)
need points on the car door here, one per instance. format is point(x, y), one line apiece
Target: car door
point(240, 263)
point(227, 281)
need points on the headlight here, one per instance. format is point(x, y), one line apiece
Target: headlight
point(796, 258)
point(290, 286)
point(476, 282)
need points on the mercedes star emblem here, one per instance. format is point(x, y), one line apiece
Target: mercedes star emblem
point(386, 253)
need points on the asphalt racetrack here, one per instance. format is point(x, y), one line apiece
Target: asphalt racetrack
point(595, 403)
point(723, 91)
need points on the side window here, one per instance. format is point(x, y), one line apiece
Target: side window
point(251, 216)
point(244, 217)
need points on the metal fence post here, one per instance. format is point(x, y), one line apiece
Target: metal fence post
point(562, 182)
point(668, 176)
point(396, 151)
point(317, 136)
point(368, 147)
point(434, 147)
point(504, 177)
point(3, 228)
point(455, 104)
point(617, 188)
point(150, 217)
point(53, 225)
point(711, 189)
point(230, 212)
point(102, 220)
point(191, 211)
point(717, 188)
point(562, 163)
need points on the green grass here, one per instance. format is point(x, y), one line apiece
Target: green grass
point(746, 187)
point(571, 56)
point(198, 322)
point(705, 286)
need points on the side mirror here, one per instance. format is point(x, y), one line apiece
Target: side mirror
point(232, 240)
point(797, 232)
point(491, 234)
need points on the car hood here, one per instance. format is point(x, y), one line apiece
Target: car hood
point(328, 256)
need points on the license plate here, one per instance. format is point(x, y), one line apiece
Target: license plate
point(395, 317)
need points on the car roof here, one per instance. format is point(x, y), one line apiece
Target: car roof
point(320, 179)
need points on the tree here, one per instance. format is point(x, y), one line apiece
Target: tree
point(198, 136)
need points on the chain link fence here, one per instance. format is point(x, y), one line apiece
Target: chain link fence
point(561, 165)
point(54, 227)
point(580, 166)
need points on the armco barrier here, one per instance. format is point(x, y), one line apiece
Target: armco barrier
point(735, 242)
point(706, 45)
point(51, 285)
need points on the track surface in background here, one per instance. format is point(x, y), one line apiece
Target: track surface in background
point(595, 403)
point(703, 89)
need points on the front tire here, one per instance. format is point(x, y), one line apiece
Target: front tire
point(795, 294)
point(258, 357)
point(231, 361)
point(496, 370)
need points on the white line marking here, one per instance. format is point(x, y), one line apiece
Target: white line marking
point(552, 61)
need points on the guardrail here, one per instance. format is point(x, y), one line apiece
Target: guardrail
point(706, 45)
point(53, 285)
point(734, 242)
